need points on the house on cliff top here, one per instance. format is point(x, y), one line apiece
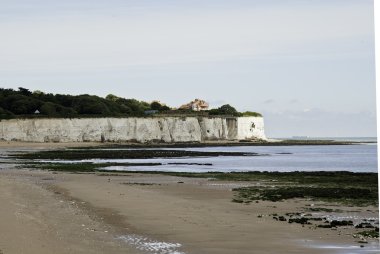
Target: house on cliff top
point(196, 105)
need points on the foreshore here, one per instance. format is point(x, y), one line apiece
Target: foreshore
point(31, 145)
point(61, 212)
point(52, 145)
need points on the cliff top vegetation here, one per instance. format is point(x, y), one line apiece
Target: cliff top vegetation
point(23, 103)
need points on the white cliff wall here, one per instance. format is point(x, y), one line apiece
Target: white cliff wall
point(214, 129)
point(250, 127)
point(157, 129)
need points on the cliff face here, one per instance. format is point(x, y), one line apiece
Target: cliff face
point(160, 129)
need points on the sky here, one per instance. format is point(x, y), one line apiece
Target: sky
point(307, 65)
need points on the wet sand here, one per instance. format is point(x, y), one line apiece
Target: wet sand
point(48, 212)
point(4, 145)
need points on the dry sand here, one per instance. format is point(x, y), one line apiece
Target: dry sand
point(46, 212)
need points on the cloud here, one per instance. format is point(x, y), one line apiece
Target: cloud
point(268, 101)
point(96, 40)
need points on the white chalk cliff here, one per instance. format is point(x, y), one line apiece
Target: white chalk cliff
point(148, 129)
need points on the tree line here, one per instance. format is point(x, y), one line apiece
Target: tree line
point(25, 103)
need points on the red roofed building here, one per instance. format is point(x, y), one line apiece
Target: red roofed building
point(196, 105)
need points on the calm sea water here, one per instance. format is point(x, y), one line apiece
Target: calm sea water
point(354, 139)
point(355, 158)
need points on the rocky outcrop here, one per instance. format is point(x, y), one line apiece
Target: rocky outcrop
point(149, 129)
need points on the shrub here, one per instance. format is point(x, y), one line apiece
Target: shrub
point(226, 109)
point(250, 113)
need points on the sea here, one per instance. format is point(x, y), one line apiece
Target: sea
point(355, 158)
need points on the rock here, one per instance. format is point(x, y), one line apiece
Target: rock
point(301, 220)
point(337, 223)
point(364, 225)
point(325, 226)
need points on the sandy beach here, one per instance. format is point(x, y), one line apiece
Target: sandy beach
point(50, 212)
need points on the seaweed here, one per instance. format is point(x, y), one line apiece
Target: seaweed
point(357, 196)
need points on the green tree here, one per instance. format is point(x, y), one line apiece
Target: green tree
point(21, 105)
point(49, 109)
point(155, 105)
point(112, 97)
point(226, 109)
point(86, 104)
point(5, 114)
point(24, 91)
